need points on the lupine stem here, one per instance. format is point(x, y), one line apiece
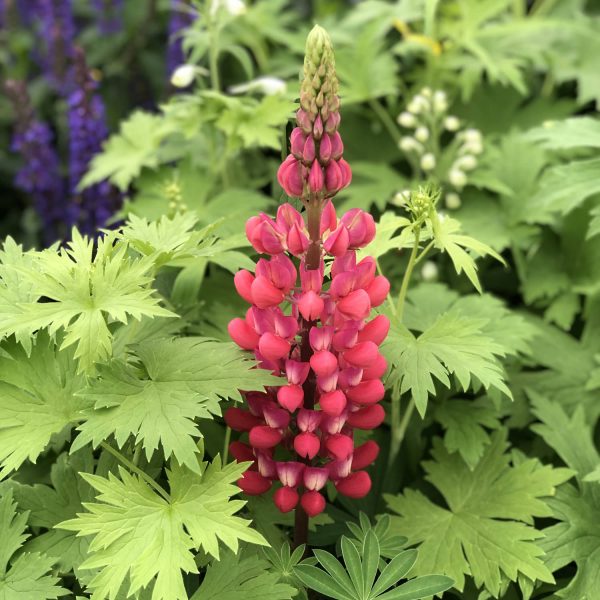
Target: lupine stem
point(136, 470)
point(226, 444)
point(313, 261)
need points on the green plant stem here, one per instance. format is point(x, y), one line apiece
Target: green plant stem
point(136, 470)
point(213, 61)
point(399, 424)
point(424, 252)
point(407, 275)
point(385, 118)
point(226, 444)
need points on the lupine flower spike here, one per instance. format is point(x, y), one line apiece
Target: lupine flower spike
point(301, 435)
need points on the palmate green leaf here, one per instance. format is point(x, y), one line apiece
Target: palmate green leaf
point(242, 577)
point(254, 123)
point(48, 506)
point(28, 577)
point(38, 399)
point(157, 396)
point(576, 132)
point(448, 238)
point(139, 533)
point(387, 238)
point(464, 422)
point(453, 345)
point(84, 288)
point(485, 530)
point(426, 301)
point(364, 69)
point(125, 153)
point(563, 188)
point(576, 538)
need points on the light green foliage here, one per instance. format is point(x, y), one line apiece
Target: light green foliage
point(448, 238)
point(158, 393)
point(49, 505)
point(576, 132)
point(577, 535)
point(86, 287)
point(143, 535)
point(38, 399)
point(25, 577)
point(452, 345)
point(126, 153)
point(366, 577)
point(486, 529)
point(241, 577)
point(464, 423)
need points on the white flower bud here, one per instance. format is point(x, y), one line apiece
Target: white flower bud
point(440, 102)
point(451, 123)
point(409, 144)
point(471, 148)
point(418, 104)
point(422, 134)
point(407, 119)
point(268, 86)
point(429, 271)
point(472, 135)
point(428, 161)
point(234, 7)
point(467, 162)
point(457, 178)
point(183, 76)
point(401, 198)
point(426, 91)
point(453, 201)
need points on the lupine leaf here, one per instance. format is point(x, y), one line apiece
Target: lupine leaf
point(242, 577)
point(86, 287)
point(158, 397)
point(576, 132)
point(139, 533)
point(28, 577)
point(453, 345)
point(385, 239)
point(485, 531)
point(38, 398)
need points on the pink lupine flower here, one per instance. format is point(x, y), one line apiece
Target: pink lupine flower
point(325, 345)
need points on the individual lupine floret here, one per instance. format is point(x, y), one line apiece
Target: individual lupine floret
point(449, 164)
point(343, 367)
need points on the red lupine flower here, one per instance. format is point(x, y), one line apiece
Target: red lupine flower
point(324, 345)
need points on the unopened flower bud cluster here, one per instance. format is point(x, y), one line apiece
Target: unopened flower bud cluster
point(427, 118)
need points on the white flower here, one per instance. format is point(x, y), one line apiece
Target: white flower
point(472, 135)
point(234, 7)
point(422, 134)
point(409, 144)
point(407, 119)
point(467, 162)
point(429, 271)
point(183, 76)
point(428, 161)
point(401, 198)
point(457, 178)
point(451, 123)
point(440, 102)
point(453, 201)
point(418, 104)
point(264, 85)
point(471, 148)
